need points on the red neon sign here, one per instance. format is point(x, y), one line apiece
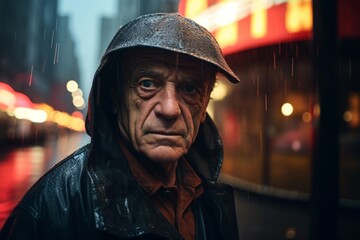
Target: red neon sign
point(239, 25)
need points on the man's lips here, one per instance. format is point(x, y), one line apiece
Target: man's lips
point(165, 133)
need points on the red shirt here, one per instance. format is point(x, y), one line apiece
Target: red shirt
point(172, 201)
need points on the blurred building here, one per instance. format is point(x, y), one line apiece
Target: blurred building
point(65, 66)
point(128, 10)
point(35, 49)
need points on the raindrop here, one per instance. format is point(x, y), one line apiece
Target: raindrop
point(274, 60)
point(52, 39)
point(58, 53)
point(31, 75)
point(56, 23)
point(54, 55)
point(257, 85)
point(265, 102)
point(292, 66)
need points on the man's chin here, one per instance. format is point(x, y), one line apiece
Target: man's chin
point(164, 154)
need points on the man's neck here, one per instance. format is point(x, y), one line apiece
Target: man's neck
point(168, 174)
point(165, 172)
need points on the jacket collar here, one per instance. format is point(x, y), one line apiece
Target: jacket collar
point(121, 206)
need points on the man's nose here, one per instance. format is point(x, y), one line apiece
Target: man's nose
point(168, 106)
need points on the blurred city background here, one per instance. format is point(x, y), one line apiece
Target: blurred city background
point(291, 128)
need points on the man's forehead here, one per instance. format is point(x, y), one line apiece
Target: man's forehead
point(162, 56)
point(149, 57)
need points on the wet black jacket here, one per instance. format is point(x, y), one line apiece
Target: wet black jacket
point(92, 195)
point(75, 201)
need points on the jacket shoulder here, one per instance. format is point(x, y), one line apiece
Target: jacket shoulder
point(64, 177)
point(59, 193)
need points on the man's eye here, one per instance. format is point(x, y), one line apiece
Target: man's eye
point(147, 87)
point(147, 83)
point(189, 89)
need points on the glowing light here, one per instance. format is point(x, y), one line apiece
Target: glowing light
point(61, 118)
point(7, 98)
point(306, 117)
point(227, 36)
point(10, 111)
point(354, 111)
point(287, 109)
point(210, 109)
point(317, 110)
point(193, 7)
point(72, 86)
point(77, 114)
point(81, 107)
point(21, 113)
point(45, 107)
point(258, 22)
point(296, 145)
point(290, 233)
point(298, 15)
point(77, 124)
point(22, 100)
point(19, 105)
point(252, 19)
point(213, 18)
point(33, 115)
point(38, 116)
point(78, 101)
point(220, 91)
point(77, 92)
point(227, 12)
point(347, 116)
point(6, 87)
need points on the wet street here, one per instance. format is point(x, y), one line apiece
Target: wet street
point(20, 166)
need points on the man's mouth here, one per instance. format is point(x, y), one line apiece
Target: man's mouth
point(165, 133)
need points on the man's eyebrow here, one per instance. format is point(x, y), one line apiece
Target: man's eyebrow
point(198, 79)
point(191, 79)
point(147, 71)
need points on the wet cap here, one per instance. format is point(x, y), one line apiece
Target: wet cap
point(171, 31)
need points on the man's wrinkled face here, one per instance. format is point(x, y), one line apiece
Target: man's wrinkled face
point(166, 97)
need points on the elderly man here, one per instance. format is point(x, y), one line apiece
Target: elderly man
point(151, 169)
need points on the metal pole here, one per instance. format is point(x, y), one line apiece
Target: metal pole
point(325, 169)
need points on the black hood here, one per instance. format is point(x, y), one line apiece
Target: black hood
point(170, 32)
